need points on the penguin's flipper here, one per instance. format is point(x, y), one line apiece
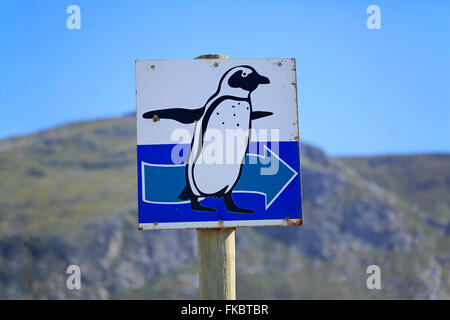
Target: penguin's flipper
point(260, 114)
point(178, 114)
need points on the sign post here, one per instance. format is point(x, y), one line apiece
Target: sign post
point(216, 254)
point(216, 259)
point(218, 148)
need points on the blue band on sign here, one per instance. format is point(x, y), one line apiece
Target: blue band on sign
point(272, 195)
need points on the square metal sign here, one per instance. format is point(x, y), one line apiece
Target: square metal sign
point(217, 143)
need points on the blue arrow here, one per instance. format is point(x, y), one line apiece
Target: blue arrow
point(253, 179)
point(163, 183)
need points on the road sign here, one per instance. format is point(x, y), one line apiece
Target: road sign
point(218, 143)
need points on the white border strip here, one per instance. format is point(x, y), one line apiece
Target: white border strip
point(220, 224)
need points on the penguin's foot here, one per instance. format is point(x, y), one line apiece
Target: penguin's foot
point(195, 205)
point(232, 207)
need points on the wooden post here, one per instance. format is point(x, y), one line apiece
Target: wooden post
point(216, 254)
point(216, 258)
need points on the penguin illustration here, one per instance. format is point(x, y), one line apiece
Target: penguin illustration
point(230, 107)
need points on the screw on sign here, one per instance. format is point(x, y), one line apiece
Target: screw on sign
point(218, 148)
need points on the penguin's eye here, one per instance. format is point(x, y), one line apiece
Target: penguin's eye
point(244, 74)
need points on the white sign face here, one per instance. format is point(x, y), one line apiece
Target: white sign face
point(218, 143)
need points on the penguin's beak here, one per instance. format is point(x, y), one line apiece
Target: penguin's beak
point(263, 80)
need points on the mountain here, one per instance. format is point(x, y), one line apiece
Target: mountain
point(68, 196)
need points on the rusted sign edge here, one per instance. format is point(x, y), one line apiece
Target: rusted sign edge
point(286, 222)
point(300, 172)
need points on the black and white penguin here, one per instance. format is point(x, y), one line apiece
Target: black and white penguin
point(230, 107)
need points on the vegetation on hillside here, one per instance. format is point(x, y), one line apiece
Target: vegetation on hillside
point(68, 196)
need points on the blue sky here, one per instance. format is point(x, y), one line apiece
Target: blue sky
point(361, 91)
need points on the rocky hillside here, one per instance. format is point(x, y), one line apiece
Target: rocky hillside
point(68, 196)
